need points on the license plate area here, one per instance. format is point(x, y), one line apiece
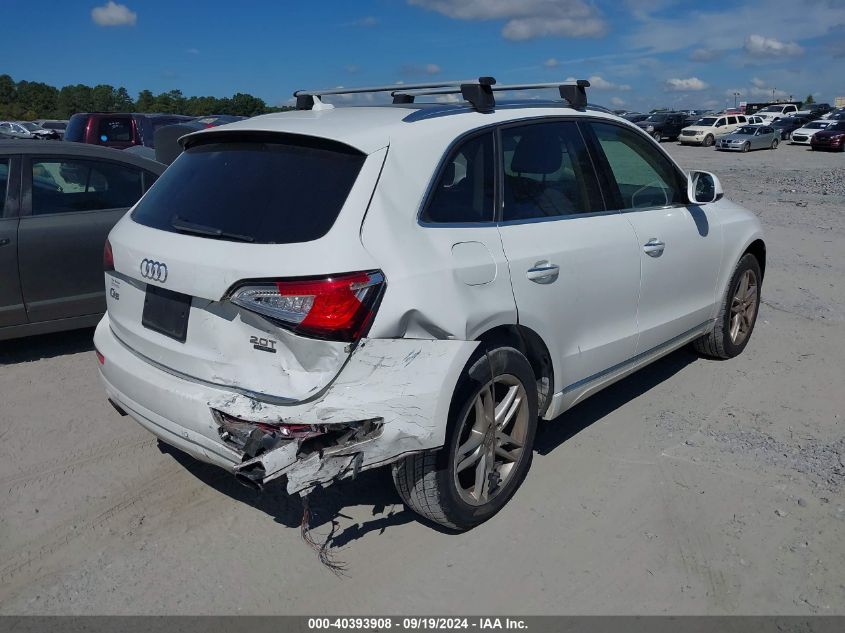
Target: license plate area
point(166, 312)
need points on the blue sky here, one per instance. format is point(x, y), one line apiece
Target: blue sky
point(638, 53)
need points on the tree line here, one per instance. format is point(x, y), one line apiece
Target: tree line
point(28, 100)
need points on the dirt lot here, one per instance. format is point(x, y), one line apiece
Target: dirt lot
point(692, 487)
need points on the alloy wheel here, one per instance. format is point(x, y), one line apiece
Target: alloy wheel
point(491, 440)
point(743, 307)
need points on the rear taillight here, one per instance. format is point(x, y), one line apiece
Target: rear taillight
point(108, 257)
point(100, 358)
point(338, 308)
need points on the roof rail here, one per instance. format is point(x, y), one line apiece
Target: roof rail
point(573, 92)
point(478, 92)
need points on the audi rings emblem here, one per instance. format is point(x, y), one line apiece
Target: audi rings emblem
point(156, 271)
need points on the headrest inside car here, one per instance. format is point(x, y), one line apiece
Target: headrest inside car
point(537, 153)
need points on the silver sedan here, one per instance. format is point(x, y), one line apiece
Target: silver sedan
point(749, 137)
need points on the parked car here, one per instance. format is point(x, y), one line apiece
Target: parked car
point(749, 137)
point(635, 117)
point(14, 129)
point(167, 146)
point(56, 125)
point(787, 125)
point(38, 131)
point(816, 110)
point(803, 135)
point(662, 125)
point(53, 223)
point(483, 258)
point(707, 129)
point(118, 130)
point(832, 138)
point(776, 111)
point(834, 114)
point(754, 120)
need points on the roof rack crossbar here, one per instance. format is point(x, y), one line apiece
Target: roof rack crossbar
point(574, 92)
point(305, 99)
point(478, 92)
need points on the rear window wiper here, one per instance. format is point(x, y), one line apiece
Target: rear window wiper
point(186, 226)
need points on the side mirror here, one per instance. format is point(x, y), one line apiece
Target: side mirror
point(703, 187)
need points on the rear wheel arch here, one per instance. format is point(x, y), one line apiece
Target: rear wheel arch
point(532, 346)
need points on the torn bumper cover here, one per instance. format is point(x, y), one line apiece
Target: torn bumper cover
point(390, 399)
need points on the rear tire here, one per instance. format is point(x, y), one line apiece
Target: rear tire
point(725, 340)
point(442, 485)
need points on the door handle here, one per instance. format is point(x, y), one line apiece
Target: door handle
point(543, 272)
point(654, 247)
point(4, 241)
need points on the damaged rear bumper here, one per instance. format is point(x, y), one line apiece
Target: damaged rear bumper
point(391, 398)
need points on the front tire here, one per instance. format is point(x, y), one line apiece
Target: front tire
point(774, 143)
point(746, 147)
point(656, 136)
point(488, 449)
point(734, 324)
point(709, 140)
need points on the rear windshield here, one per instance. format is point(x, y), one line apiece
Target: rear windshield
point(261, 192)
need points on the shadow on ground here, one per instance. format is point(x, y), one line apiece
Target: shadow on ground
point(31, 348)
point(374, 488)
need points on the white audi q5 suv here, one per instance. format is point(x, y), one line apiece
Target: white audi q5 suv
point(308, 294)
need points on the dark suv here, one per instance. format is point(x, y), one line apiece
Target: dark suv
point(660, 125)
point(117, 129)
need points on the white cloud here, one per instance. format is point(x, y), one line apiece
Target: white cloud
point(193, 51)
point(113, 14)
point(690, 83)
point(600, 83)
point(769, 92)
point(757, 82)
point(421, 69)
point(704, 55)
point(551, 62)
point(369, 20)
point(760, 46)
point(726, 28)
point(352, 68)
point(526, 19)
point(617, 102)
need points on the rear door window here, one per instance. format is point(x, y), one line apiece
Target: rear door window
point(70, 185)
point(75, 130)
point(284, 190)
point(547, 172)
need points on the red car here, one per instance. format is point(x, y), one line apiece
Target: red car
point(832, 138)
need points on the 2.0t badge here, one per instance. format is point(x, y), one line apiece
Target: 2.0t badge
point(155, 271)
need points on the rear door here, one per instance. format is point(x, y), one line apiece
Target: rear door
point(70, 206)
point(680, 244)
point(12, 310)
point(575, 267)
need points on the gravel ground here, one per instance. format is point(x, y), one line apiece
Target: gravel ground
point(691, 487)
